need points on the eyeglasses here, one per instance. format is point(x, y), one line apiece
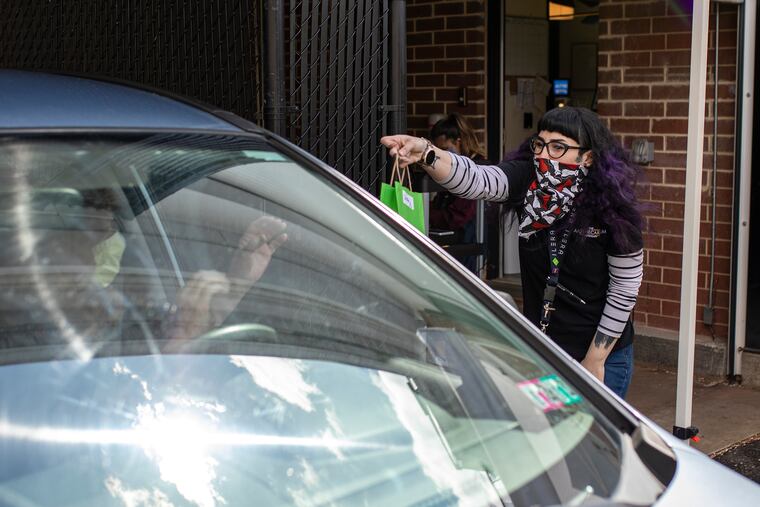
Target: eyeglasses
point(555, 149)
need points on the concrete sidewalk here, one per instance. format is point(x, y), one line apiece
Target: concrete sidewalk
point(724, 414)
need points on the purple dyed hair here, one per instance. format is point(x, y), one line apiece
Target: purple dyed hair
point(608, 193)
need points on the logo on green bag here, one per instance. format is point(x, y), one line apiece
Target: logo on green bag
point(408, 200)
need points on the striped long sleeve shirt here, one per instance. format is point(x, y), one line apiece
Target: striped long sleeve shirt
point(492, 183)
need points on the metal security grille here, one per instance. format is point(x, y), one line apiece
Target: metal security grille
point(337, 83)
point(205, 49)
point(342, 85)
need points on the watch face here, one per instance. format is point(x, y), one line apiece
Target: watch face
point(430, 157)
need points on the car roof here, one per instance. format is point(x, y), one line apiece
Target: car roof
point(42, 100)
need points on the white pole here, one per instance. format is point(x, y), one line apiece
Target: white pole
point(693, 191)
point(745, 156)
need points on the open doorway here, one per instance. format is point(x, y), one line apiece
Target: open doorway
point(550, 60)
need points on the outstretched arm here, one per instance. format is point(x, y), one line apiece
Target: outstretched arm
point(457, 174)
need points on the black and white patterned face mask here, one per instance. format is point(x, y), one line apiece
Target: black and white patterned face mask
point(551, 195)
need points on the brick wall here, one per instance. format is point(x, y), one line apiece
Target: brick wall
point(446, 51)
point(644, 58)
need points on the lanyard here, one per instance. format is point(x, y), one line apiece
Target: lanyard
point(556, 254)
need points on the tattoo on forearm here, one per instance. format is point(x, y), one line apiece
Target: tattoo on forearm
point(603, 340)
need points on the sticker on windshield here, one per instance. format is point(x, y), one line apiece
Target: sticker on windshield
point(408, 200)
point(268, 156)
point(549, 392)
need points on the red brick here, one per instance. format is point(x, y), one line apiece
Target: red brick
point(652, 241)
point(464, 79)
point(447, 65)
point(609, 76)
point(644, 42)
point(645, 109)
point(476, 7)
point(667, 193)
point(653, 174)
point(610, 109)
point(446, 94)
point(676, 74)
point(663, 291)
point(625, 125)
point(426, 53)
point(649, 305)
point(443, 9)
point(679, 40)
point(421, 67)
point(666, 226)
point(611, 44)
point(604, 28)
point(476, 36)
point(419, 39)
point(676, 160)
point(610, 11)
point(465, 51)
point(673, 210)
point(428, 24)
point(676, 143)
point(629, 59)
point(671, 58)
point(670, 92)
point(643, 74)
point(449, 37)
point(675, 177)
point(645, 10)
point(475, 65)
point(429, 80)
point(672, 276)
point(671, 24)
point(670, 126)
point(602, 61)
point(673, 243)
point(661, 322)
point(428, 108)
point(631, 26)
point(629, 92)
point(677, 109)
point(464, 22)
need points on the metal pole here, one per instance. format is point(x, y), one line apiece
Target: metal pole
point(274, 66)
point(741, 256)
point(693, 191)
point(398, 66)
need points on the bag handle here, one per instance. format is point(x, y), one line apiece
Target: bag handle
point(401, 174)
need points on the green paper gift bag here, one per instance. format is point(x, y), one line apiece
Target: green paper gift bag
point(402, 199)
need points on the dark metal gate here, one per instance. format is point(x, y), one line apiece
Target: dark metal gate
point(344, 86)
point(338, 87)
point(204, 49)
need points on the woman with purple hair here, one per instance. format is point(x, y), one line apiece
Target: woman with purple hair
point(581, 248)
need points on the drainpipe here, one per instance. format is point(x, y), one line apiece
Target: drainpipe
point(742, 180)
point(274, 66)
point(709, 310)
point(398, 67)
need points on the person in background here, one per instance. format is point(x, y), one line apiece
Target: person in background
point(447, 211)
point(580, 234)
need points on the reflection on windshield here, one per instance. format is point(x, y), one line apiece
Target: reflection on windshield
point(281, 377)
point(240, 337)
point(467, 486)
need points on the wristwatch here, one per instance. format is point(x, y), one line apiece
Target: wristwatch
point(428, 157)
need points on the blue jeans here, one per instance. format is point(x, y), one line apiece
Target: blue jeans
point(618, 370)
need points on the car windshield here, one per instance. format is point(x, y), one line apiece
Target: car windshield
point(192, 319)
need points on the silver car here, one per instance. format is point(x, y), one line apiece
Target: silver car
point(196, 312)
